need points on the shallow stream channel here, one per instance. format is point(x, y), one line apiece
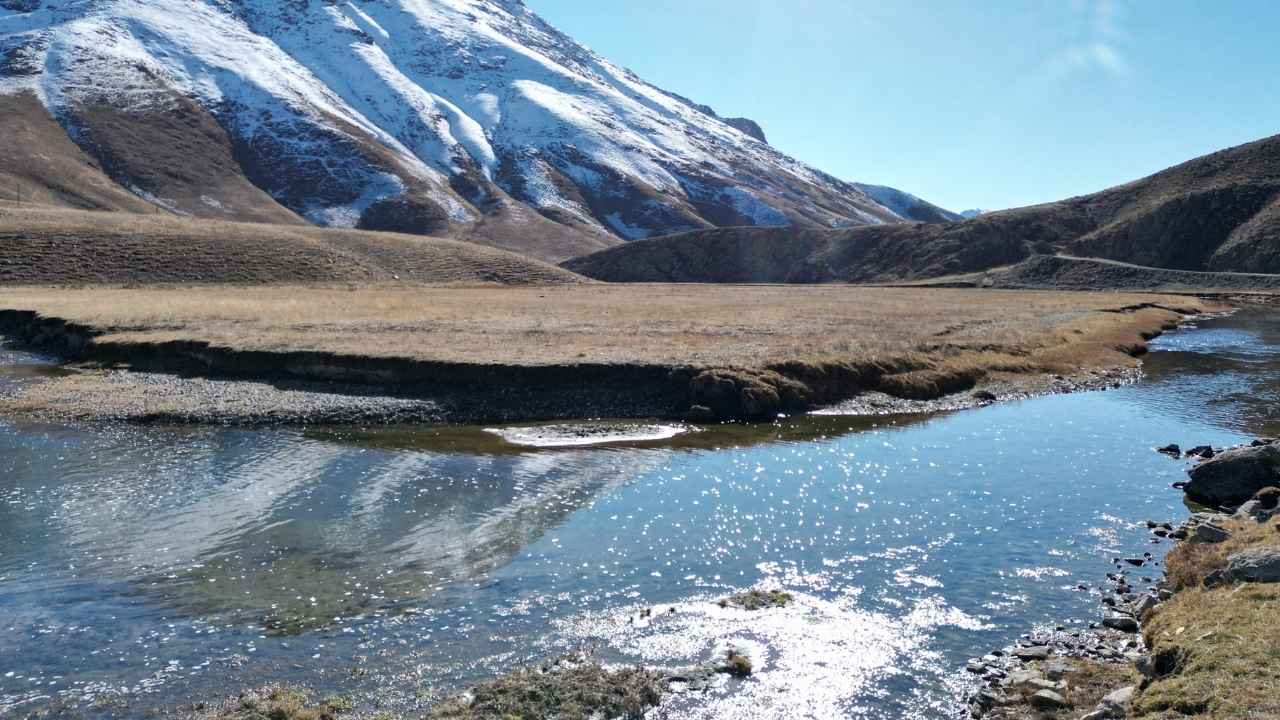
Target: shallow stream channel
point(144, 567)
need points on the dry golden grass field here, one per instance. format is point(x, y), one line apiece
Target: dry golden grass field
point(698, 325)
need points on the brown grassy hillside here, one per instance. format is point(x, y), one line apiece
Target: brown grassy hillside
point(181, 161)
point(47, 245)
point(1220, 212)
point(40, 164)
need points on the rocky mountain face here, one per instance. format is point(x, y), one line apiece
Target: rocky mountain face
point(470, 118)
point(1220, 213)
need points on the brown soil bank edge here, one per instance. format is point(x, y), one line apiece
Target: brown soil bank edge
point(1083, 332)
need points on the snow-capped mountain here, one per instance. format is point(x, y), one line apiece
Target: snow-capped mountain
point(467, 117)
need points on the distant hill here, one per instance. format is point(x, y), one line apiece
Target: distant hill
point(45, 246)
point(1220, 212)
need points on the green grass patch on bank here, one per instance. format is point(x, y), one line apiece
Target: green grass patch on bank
point(1215, 653)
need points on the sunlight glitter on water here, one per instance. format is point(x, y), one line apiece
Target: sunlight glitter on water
point(182, 563)
point(587, 434)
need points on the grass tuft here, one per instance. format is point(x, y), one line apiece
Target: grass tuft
point(569, 689)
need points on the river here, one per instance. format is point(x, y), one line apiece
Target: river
point(146, 566)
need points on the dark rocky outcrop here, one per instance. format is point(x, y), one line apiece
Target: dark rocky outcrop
point(748, 126)
point(1234, 476)
point(1259, 565)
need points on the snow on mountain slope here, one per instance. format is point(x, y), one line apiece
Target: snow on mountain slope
point(906, 205)
point(431, 116)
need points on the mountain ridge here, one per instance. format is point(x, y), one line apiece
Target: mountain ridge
point(464, 118)
point(1218, 213)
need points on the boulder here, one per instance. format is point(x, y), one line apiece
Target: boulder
point(1234, 476)
point(1260, 565)
point(1207, 533)
point(1123, 623)
point(1022, 678)
point(1248, 510)
point(1201, 451)
point(1143, 606)
point(1039, 684)
point(1048, 700)
point(1172, 450)
point(1035, 652)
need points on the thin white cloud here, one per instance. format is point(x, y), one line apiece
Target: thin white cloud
point(1094, 55)
point(1098, 42)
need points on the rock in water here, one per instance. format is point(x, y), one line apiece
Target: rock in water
point(1260, 565)
point(1235, 475)
point(1172, 450)
point(1201, 451)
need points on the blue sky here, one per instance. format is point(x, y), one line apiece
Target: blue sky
point(987, 104)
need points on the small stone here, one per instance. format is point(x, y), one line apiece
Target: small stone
point(1117, 703)
point(1136, 561)
point(1048, 700)
point(700, 413)
point(1172, 450)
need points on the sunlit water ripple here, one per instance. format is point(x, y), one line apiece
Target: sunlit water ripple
point(155, 565)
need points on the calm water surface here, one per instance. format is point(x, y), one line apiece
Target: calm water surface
point(141, 567)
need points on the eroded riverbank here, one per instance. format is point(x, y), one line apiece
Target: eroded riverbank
point(581, 352)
